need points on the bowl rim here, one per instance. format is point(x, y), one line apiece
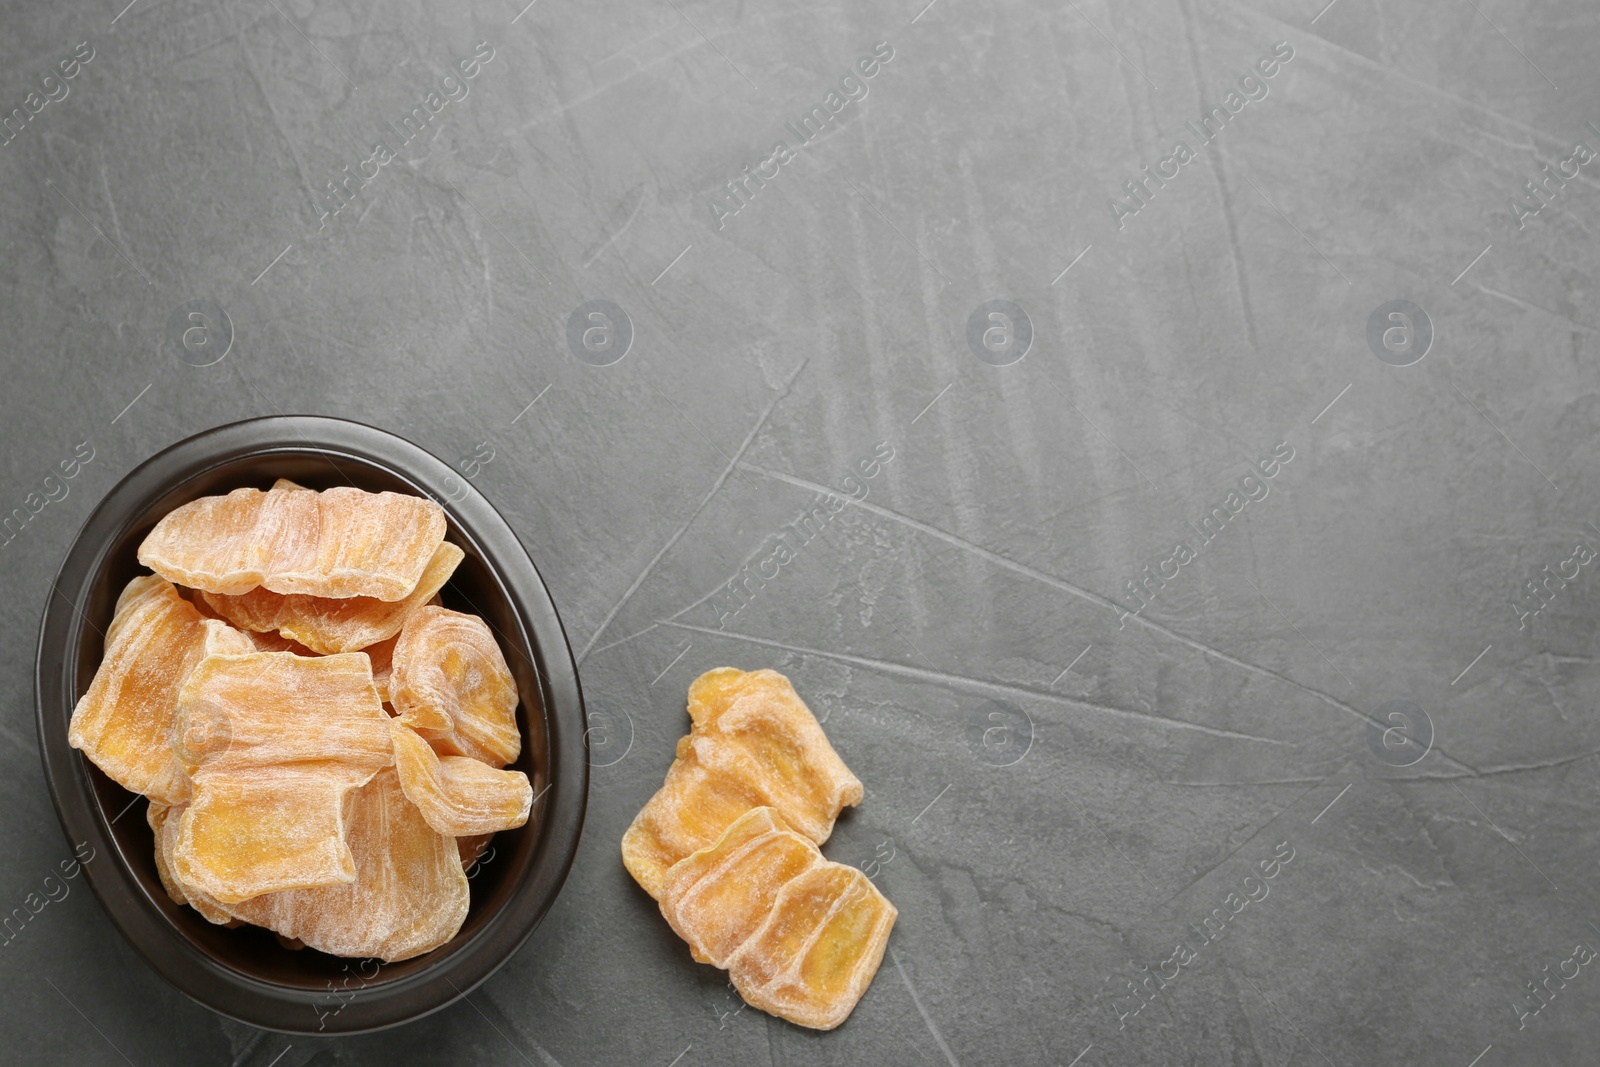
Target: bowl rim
point(187, 966)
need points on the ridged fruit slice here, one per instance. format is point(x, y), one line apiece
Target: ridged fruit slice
point(752, 743)
point(409, 894)
point(274, 743)
point(450, 683)
point(163, 822)
point(124, 721)
point(801, 937)
point(458, 795)
point(340, 542)
point(328, 624)
point(382, 657)
point(717, 897)
point(819, 948)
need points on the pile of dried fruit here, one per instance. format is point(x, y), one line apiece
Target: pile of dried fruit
point(728, 846)
point(321, 744)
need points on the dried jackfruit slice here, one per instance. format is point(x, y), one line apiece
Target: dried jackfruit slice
point(156, 815)
point(334, 624)
point(690, 810)
point(274, 743)
point(340, 542)
point(753, 724)
point(228, 544)
point(801, 937)
point(450, 683)
point(458, 795)
point(382, 657)
point(717, 897)
point(277, 643)
point(124, 721)
point(409, 894)
point(163, 822)
point(819, 948)
point(752, 742)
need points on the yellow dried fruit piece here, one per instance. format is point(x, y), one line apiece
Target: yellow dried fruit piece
point(801, 937)
point(755, 724)
point(274, 743)
point(691, 809)
point(716, 898)
point(124, 721)
point(260, 642)
point(230, 543)
point(819, 948)
point(340, 542)
point(163, 822)
point(409, 894)
point(334, 624)
point(382, 657)
point(458, 795)
point(277, 643)
point(752, 743)
point(156, 815)
point(450, 683)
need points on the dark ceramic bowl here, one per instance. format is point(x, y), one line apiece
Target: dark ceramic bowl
point(245, 973)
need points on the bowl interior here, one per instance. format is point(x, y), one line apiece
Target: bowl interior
point(255, 953)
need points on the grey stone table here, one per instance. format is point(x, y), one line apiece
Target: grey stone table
point(1212, 621)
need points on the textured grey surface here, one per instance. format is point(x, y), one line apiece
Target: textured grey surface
point(1038, 827)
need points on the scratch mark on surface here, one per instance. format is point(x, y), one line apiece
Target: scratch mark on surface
point(1331, 803)
point(917, 1003)
point(943, 678)
point(625, 640)
point(1261, 830)
point(1066, 587)
point(1471, 773)
point(727, 472)
point(1237, 259)
point(116, 225)
point(277, 120)
point(1379, 68)
point(561, 109)
point(621, 218)
point(1526, 306)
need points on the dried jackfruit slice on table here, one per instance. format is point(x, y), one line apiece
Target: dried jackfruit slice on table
point(800, 936)
point(124, 721)
point(458, 795)
point(409, 894)
point(819, 948)
point(753, 724)
point(334, 624)
point(340, 542)
point(716, 898)
point(752, 743)
point(274, 743)
point(450, 684)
